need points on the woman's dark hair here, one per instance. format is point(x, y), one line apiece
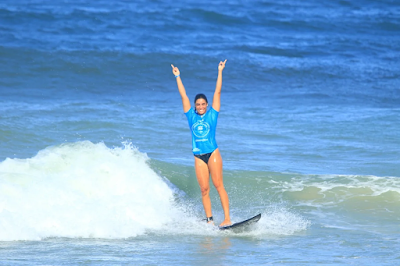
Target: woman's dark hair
point(200, 96)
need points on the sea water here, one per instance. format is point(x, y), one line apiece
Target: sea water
point(95, 151)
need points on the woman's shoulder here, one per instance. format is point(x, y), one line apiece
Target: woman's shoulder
point(190, 113)
point(191, 110)
point(212, 110)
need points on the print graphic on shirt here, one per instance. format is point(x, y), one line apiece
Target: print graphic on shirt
point(201, 129)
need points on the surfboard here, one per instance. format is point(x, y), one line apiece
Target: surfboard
point(243, 225)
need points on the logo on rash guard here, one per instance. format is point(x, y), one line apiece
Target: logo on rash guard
point(200, 129)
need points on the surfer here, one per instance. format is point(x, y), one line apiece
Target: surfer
point(207, 158)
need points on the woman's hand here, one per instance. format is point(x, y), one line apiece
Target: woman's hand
point(221, 65)
point(175, 70)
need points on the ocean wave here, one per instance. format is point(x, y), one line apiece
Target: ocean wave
point(82, 190)
point(257, 191)
point(87, 190)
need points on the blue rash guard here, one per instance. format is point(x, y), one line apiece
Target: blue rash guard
point(203, 129)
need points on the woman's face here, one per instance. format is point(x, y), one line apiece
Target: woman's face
point(201, 106)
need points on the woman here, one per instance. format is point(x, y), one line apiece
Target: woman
point(207, 158)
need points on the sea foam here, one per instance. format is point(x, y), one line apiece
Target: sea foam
point(83, 190)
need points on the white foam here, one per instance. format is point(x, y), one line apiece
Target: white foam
point(281, 221)
point(82, 190)
point(373, 185)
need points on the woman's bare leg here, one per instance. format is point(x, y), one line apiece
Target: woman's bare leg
point(215, 167)
point(203, 178)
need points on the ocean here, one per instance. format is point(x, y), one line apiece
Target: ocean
point(96, 165)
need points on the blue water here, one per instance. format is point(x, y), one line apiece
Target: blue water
point(95, 151)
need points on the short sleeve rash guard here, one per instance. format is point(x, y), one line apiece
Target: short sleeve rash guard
point(203, 129)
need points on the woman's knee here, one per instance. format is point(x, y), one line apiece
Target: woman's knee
point(205, 191)
point(219, 186)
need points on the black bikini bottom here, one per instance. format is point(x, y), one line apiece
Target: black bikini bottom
point(204, 157)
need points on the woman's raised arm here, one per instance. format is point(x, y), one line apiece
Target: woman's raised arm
point(217, 94)
point(181, 88)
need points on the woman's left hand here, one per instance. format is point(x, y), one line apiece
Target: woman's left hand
point(221, 65)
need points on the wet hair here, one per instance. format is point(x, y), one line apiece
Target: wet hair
point(200, 96)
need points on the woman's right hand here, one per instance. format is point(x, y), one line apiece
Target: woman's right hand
point(175, 70)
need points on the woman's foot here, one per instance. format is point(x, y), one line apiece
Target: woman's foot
point(225, 223)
